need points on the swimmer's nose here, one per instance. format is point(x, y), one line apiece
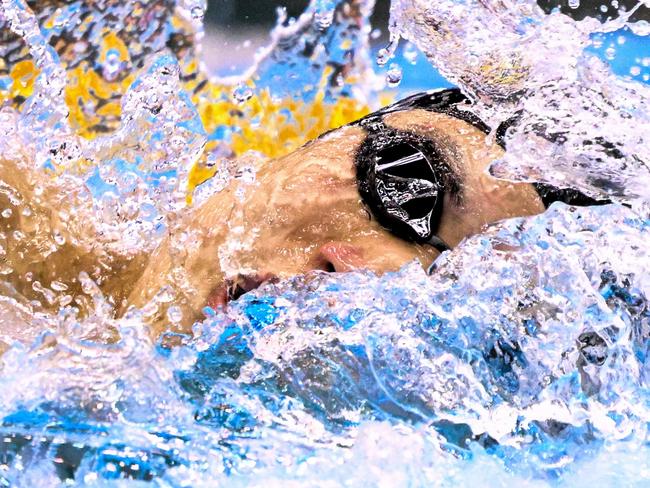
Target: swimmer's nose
point(339, 257)
point(336, 257)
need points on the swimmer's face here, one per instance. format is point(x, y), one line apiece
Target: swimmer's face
point(304, 213)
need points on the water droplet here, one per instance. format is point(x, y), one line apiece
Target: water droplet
point(394, 75)
point(574, 3)
point(323, 20)
point(242, 93)
point(58, 286)
point(88, 286)
point(48, 294)
point(610, 53)
point(165, 295)
point(6, 213)
point(58, 238)
point(174, 314)
point(383, 56)
point(197, 13)
point(112, 66)
point(386, 54)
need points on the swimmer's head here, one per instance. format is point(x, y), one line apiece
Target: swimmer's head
point(400, 185)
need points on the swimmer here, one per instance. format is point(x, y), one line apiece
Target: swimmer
point(405, 183)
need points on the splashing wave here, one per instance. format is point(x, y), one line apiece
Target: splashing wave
point(522, 357)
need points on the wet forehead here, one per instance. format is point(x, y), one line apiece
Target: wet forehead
point(329, 157)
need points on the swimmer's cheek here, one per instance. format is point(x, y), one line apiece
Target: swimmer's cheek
point(377, 251)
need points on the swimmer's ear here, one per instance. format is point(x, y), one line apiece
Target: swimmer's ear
point(339, 257)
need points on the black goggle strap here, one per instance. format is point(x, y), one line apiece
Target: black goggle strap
point(392, 180)
point(438, 244)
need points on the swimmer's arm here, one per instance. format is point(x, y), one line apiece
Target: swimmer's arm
point(192, 273)
point(48, 237)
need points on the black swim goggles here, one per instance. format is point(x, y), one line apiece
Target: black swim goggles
point(402, 177)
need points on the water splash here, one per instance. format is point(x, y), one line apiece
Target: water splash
point(533, 73)
point(43, 121)
point(521, 358)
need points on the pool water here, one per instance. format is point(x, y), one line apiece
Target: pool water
point(520, 357)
